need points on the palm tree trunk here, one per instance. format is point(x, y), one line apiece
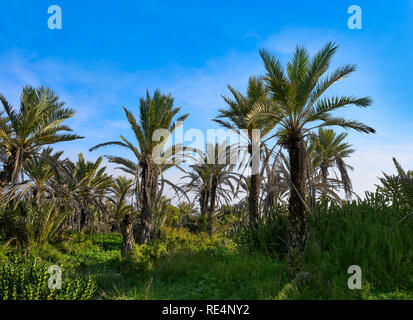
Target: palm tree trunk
point(297, 229)
point(128, 242)
point(324, 173)
point(82, 218)
point(144, 228)
point(269, 199)
point(6, 174)
point(253, 195)
point(253, 200)
point(212, 206)
point(203, 202)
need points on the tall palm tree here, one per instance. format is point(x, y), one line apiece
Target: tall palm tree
point(328, 151)
point(297, 106)
point(315, 187)
point(3, 124)
point(37, 123)
point(155, 113)
point(234, 117)
point(121, 190)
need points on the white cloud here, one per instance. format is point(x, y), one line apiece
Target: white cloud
point(285, 41)
point(98, 91)
point(371, 160)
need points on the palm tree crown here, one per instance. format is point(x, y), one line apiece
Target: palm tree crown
point(155, 113)
point(25, 131)
point(297, 105)
point(328, 151)
point(235, 117)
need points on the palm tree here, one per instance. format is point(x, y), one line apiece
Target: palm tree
point(36, 124)
point(328, 151)
point(315, 187)
point(212, 180)
point(275, 182)
point(3, 124)
point(122, 189)
point(186, 210)
point(235, 117)
point(155, 113)
point(297, 106)
point(41, 171)
point(88, 187)
point(199, 182)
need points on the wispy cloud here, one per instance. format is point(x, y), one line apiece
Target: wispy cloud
point(372, 160)
point(285, 41)
point(98, 91)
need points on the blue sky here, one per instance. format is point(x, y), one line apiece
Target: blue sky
point(109, 52)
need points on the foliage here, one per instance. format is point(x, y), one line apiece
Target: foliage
point(29, 224)
point(4, 251)
point(24, 279)
point(156, 113)
point(296, 107)
point(406, 183)
point(268, 237)
point(391, 187)
point(328, 152)
point(121, 190)
point(212, 179)
point(170, 242)
point(37, 123)
point(88, 187)
point(44, 198)
point(181, 265)
point(363, 235)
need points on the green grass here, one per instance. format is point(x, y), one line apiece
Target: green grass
point(358, 234)
point(27, 279)
point(181, 265)
point(204, 276)
point(180, 273)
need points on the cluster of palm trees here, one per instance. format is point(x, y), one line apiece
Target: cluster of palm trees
point(289, 103)
point(212, 180)
point(300, 160)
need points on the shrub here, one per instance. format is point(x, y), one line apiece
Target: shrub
point(267, 237)
point(28, 280)
point(29, 224)
point(363, 234)
point(173, 241)
point(3, 252)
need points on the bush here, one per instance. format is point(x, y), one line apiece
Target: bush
point(267, 237)
point(3, 252)
point(28, 279)
point(172, 241)
point(363, 234)
point(30, 224)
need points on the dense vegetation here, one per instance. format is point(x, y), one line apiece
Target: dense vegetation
point(281, 222)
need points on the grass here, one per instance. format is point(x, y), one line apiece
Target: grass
point(181, 265)
point(202, 275)
point(358, 234)
point(178, 274)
